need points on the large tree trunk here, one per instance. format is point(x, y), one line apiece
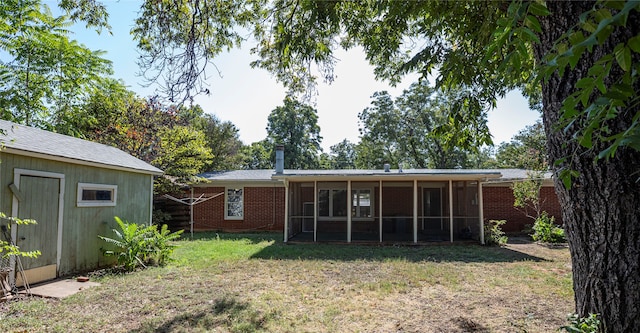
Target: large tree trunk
point(601, 211)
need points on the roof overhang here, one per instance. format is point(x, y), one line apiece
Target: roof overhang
point(390, 176)
point(234, 182)
point(20, 152)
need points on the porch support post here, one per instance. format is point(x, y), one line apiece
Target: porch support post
point(481, 212)
point(415, 210)
point(349, 205)
point(315, 210)
point(380, 209)
point(286, 211)
point(451, 210)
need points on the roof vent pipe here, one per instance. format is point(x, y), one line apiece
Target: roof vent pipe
point(387, 167)
point(279, 159)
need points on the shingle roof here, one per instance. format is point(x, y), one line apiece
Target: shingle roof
point(493, 175)
point(54, 146)
point(516, 174)
point(239, 175)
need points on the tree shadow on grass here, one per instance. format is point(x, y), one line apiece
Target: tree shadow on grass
point(432, 253)
point(225, 312)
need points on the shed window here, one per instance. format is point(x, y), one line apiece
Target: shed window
point(234, 202)
point(96, 195)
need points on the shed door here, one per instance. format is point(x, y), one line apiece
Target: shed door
point(40, 197)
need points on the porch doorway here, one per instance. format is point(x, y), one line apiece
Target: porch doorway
point(434, 226)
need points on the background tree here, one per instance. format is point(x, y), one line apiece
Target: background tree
point(295, 125)
point(149, 130)
point(221, 137)
point(182, 153)
point(526, 150)
point(343, 155)
point(379, 133)
point(44, 76)
point(417, 130)
point(581, 58)
point(258, 155)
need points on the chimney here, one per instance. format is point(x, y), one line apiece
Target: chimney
point(387, 167)
point(279, 159)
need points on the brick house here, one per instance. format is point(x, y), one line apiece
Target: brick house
point(415, 205)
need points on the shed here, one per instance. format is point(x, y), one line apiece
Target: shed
point(73, 188)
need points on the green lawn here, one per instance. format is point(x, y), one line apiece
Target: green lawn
point(253, 283)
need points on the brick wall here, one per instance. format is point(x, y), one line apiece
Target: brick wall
point(264, 207)
point(263, 210)
point(498, 205)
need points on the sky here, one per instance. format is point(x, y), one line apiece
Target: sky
point(245, 96)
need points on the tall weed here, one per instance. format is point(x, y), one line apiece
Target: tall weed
point(138, 246)
point(546, 231)
point(493, 234)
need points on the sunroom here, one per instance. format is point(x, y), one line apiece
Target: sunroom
point(410, 206)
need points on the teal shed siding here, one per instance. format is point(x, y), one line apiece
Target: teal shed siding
point(81, 247)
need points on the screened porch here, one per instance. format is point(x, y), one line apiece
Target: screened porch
point(408, 211)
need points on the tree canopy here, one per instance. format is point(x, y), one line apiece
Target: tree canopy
point(526, 150)
point(416, 130)
point(295, 126)
point(578, 60)
point(44, 75)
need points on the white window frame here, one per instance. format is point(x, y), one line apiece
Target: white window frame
point(226, 203)
point(97, 187)
point(356, 205)
point(353, 204)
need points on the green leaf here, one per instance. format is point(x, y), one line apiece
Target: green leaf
point(623, 57)
point(533, 23)
point(586, 140)
point(538, 9)
point(634, 43)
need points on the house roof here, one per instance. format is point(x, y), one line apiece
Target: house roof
point(508, 175)
point(30, 141)
point(490, 175)
point(239, 175)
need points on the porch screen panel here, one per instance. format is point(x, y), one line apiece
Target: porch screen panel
point(332, 211)
point(466, 211)
point(433, 212)
point(301, 210)
point(364, 226)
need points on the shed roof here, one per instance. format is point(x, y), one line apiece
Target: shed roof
point(30, 141)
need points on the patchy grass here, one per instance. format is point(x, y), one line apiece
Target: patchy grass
point(255, 283)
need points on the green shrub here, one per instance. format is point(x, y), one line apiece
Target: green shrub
point(545, 230)
point(138, 245)
point(493, 234)
point(588, 324)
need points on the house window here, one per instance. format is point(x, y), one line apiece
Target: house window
point(333, 203)
point(96, 195)
point(234, 202)
point(361, 203)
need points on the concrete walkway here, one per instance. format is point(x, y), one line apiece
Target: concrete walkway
point(60, 288)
